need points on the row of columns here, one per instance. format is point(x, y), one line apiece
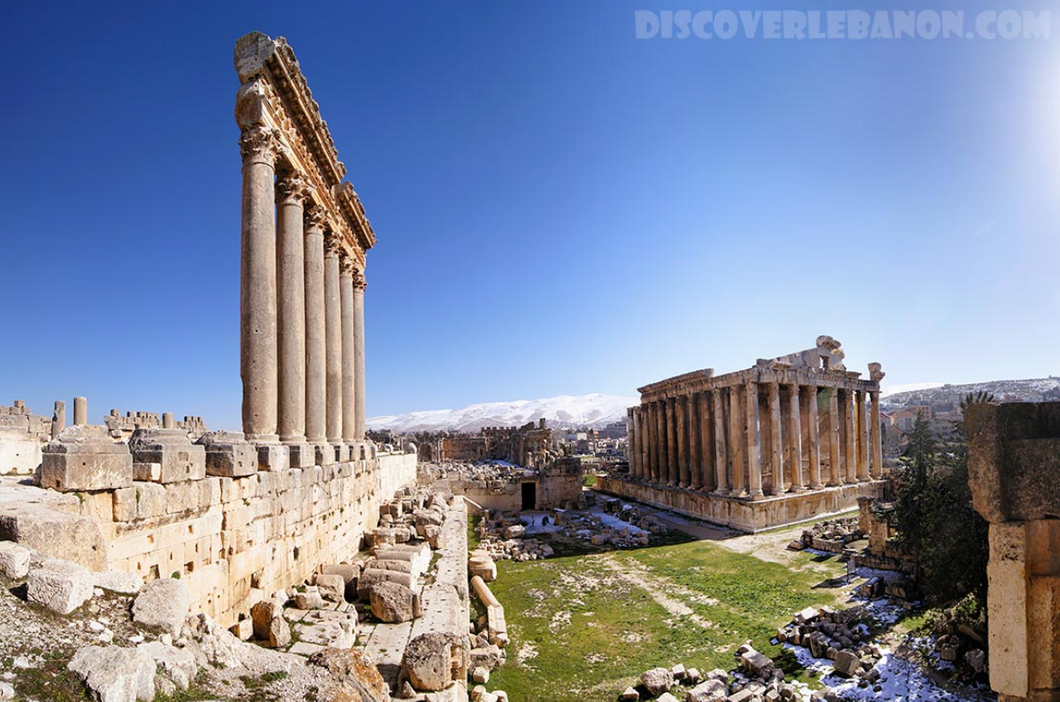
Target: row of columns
point(301, 311)
point(729, 440)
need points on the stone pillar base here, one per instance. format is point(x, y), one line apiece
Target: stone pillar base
point(176, 457)
point(301, 455)
point(84, 457)
point(342, 453)
point(273, 457)
point(228, 454)
point(325, 454)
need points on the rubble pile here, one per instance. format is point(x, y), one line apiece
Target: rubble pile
point(837, 636)
point(831, 536)
point(754, 679)
point(958, 642)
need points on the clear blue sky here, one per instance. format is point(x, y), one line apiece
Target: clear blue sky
point(560, 207)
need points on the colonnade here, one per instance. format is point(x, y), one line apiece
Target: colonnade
point(301, 311)
point(757, 438)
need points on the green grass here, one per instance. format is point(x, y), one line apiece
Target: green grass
point(617, 630)
point(472, 536)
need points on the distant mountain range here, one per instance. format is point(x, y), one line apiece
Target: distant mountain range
point(562, 412)
point(1029, 390)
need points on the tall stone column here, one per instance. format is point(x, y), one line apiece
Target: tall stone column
point(813, 436)
point(659, 410)
point(851, 437)
point(721, 453)
point(706, 443)
point(290, 191)
point(695, 480)
point(776, 440)
point(877, 440)
point(316, 330)
point(754, 443)
point(738, 440)
point(80, 411)
point(257, 300)
point(834, 474)
point(794, 433)
point(681, 414)
point(333, 337)
point(349, 400)
point(360, 284)
point(645, 440)
point(672, 469)
point(863, 437)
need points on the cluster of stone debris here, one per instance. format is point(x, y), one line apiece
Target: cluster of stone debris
point(831, 536)
point(172, 646)
point(752, 680)
point(957, 641)
point(503, 537)
point(837, 636)
point(417, 515)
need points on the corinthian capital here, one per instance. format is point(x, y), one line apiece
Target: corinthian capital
point(359, 281)
point(314, 218)
point(290, 188)
point(332, 244)
point(258, 143)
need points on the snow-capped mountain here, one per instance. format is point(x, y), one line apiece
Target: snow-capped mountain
point(565, 411)
point(1028, 390)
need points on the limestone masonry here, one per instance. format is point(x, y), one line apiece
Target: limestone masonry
point(783, 441)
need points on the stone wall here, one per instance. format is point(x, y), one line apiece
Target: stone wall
point(1014, 474)
point(234, 541)
point(555, 486)
point(741, 513)
point(22, 434)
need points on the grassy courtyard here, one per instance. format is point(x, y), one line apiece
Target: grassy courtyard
point(585, 626)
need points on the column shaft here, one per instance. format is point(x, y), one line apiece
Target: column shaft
point(863, 437)
point(349, 372)
point(360, 380)
point(834, 474)
point(257, 301)
point(738, 440)
point(721, 453)
point(706, 443)
point(877, 440)
point(813, 436)
point(695, 444)
point(315, 330)
point(754, 442)
point(851, 434)
point(333, 336)
point(776, 440)
point(659, 409)
point(291, 292)
point(645, 439)
point(683, 462)
point(672, 470)
point(794, 435)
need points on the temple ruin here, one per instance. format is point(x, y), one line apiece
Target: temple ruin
point(789, 439)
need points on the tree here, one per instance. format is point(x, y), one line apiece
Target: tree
point(934, 515)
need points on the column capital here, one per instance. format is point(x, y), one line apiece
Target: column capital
point(258, 143)
point(314, 218)
point(332, 244)
point(347, 264)
point(359, 281)
point(290, 189)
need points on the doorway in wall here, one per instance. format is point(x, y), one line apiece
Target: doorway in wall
point(529, 496)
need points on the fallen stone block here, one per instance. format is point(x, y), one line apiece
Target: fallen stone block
point(60, 586)
point(116, 581)
point(331, 586)
point(708, 691)
point(391, 603)
point(269, 624)
point(178, 664)
point(435, 659)
point(847, 664)
point(163, 604)
point(355, 670)
point(657, 681)
point(115, 674)
point(14, 560)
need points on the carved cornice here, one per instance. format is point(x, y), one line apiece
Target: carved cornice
point(260, 59)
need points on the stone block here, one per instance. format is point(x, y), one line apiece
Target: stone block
point(20, 453)
point(273, 458)
point(177, 664)
point(435, 659)
point(14, 560)
point(61, 586)
point(115, 581)
point(1014, 460)
point(85, 458)
point(172, 450)
point(147, 472)
point(164, 604)
point(301, 455)
point(55, 533)
point(228, 454)
point(657, 681)
point(115, 674)
point(331, 586)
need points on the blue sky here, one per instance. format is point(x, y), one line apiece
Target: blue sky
point(560, 207)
